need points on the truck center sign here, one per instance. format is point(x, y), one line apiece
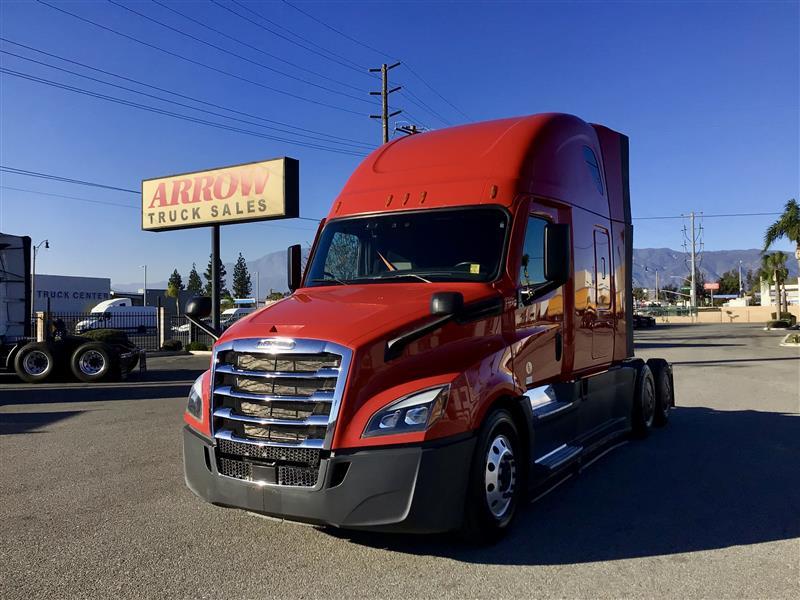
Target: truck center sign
point(250, 192)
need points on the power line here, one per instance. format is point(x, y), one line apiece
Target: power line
point(16, 189)
point(15, 171)
point(231, 53)
point(173, 114)
point(114, 204)
point(367, 46)
point(195, 62)
point(192, 98)
point(358, 146)
point(707, 216)
point(257, 49)
point(340, 60)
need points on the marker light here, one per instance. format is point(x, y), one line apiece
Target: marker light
point(415, 412)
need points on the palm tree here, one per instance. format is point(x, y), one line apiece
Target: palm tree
point(774, 271)
point(787, 226)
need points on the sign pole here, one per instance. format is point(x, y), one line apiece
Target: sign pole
point(215, 277)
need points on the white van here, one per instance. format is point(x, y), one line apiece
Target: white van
point(231, 315)
point(119, 313)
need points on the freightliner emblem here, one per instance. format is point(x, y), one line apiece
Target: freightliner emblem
point(276, 344)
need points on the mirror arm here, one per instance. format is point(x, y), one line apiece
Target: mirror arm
point(206, 328)
point(394, 347)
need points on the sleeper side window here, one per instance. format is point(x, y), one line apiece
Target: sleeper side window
point(594, 167)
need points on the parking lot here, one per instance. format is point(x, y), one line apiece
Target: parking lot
point(93, 502)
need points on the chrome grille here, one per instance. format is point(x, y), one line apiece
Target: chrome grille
point(274, 412)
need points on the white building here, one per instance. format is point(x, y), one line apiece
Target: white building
point(69, 294)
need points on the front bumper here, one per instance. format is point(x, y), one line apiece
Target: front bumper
point(415, 489)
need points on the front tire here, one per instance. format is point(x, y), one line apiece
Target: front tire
point(35, 362)
point(93, 362)
point(496, 480)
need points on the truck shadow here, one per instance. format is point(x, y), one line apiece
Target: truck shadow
point(68, 393)
point(711, 479)
point(12, 423)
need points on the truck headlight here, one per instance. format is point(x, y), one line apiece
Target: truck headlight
point(415, 412)
point(194, 405)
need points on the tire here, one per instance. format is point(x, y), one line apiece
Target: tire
point(35, 362)
point(496, 483)
point(665, 393)
point(93, 361)
point(644, 403)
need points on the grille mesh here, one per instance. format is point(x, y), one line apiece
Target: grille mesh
point(297, 476)
point(304, 456)
point(236, 469)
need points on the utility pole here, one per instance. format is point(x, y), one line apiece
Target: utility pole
point(657, 300)
point(144, 286)
point(408, 129)
point(384, 94)
point(692, 240)
point(741, 289)
point(693, 290)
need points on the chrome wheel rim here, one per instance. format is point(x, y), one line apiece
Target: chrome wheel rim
point(36, 363)
point(648, 402)
point(91, 362)
point(500, 476)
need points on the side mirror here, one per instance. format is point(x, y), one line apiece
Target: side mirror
point(293, 256)
point(557, 253)
point(198, 307)
point(446, 303)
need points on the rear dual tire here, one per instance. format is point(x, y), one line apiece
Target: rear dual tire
point(35, 362)
point(653, 397)
point(93, 362)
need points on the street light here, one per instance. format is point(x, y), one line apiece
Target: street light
point(33, 275)
point(144, 286)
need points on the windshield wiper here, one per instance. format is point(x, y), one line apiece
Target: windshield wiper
point(401, 275)
point(329, 280)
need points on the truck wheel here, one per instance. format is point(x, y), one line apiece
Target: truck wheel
point(665, 394)
point(644, 403)
point(495, 485)
point(35, 362)
point(93, 362)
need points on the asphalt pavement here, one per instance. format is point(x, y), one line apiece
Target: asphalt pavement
point(93, 503)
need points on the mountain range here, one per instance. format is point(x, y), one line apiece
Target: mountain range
point(672, 267)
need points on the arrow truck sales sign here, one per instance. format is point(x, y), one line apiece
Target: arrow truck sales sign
point(251, 192)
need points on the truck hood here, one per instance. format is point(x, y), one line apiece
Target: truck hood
point(349, 314)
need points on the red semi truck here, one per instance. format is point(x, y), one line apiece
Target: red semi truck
point(461, 336)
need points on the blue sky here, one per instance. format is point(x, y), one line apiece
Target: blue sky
point(708, 93)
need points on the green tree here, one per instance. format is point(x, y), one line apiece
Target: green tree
point(774, 271)
point(195, 284)
point(787, 226)
point(242, 286)
point(729, 282)
point(639, 294)
point(223, 290)
point(174, 288)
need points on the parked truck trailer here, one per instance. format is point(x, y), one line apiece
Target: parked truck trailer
point(462, 334)
point(58, 353)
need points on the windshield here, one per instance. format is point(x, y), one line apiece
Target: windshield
point(424, 246)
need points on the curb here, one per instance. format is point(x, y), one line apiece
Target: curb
point(200, 352)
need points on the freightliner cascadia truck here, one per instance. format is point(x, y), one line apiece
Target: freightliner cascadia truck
point(460, 337)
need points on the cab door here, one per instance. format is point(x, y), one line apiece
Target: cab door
point(538, 351)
